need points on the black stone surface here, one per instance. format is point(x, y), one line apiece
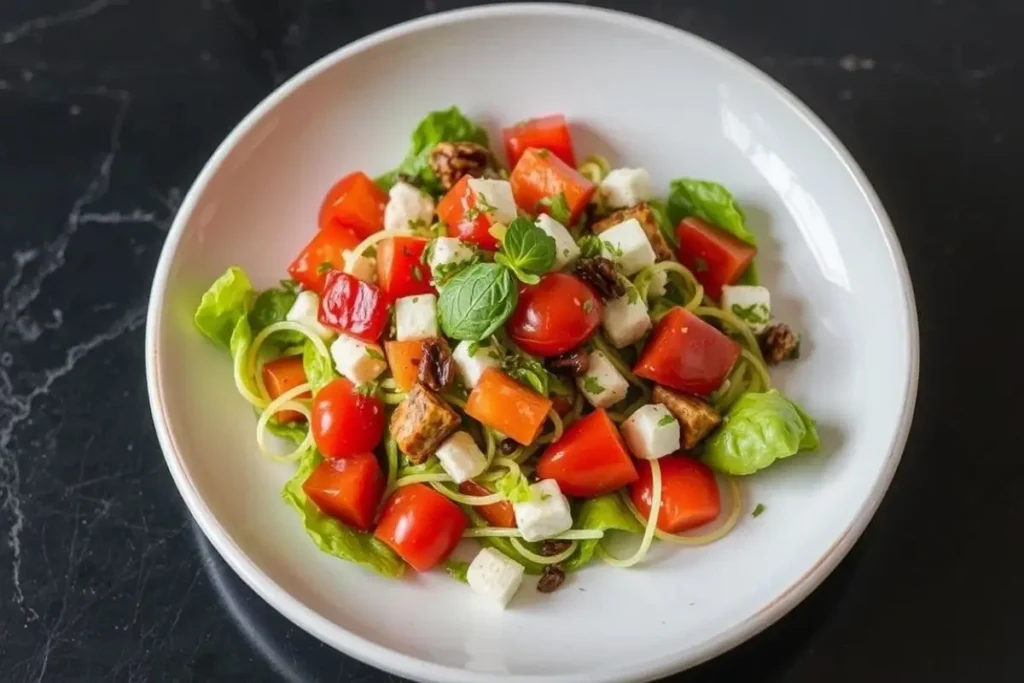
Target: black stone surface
point(108, 108)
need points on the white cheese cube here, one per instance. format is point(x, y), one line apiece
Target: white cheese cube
point(546, 514)
point(626, 187)
point(658, 285)
point(651, 432)
point(603, 386)
point(494, 575)
point(447, 251)
point(356, 360)
point(751, 304)
point(625, 319)
point(494, 197)
point(471, 366)
point(361, 267)
point(627, 245)
point(416, 317)
point(304, 311)
point(566, 250)
point(407, 207)
point(461, 458)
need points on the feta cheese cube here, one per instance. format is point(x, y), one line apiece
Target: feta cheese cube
point(566, 250)
point(626, 187)
point(603, 386)
point(625, 319)
point(751, 304)
point(627, 244)
point(416, 317)
point(545, 514)
point(495, 576)
point(471, 366)
point(658, 285)
point(407, 207)
point(446, 251)
point(494, 197)
point(651, 432)
point(461, 458)
point(304, 311)
point(360, 267)
point(356, 360)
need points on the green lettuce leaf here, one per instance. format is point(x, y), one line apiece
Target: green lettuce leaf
point(291, 431)
point(445, 125)
point(605, 513)
point(319, 370)
point(333, 537)
point(759, 429)
point(221, 307)
point(715, 204)
point(515, 487)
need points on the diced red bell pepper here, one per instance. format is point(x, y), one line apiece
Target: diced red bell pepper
point(457, 210)
point(546, 132)
point(352, 306)
point(590, 459)
point(687, 354)
point(715, 257)
point(542, 175)
point(400, 267)
point(355, 202)
point(348, 489)
point(323, 253)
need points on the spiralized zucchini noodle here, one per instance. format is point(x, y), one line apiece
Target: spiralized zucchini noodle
point(649, 529)
point(543, 559)
point(646, 277)
point(595, 168)
point(616, 360)
point(285, 401)
point(501, 532)
point(719, 532)
point(369, 242)
point(261, 398)
point(467, 499)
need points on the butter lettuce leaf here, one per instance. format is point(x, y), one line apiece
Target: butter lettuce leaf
point(713, 203)
point(333, 537)
point(759, 429)
point(228, 300)
point(604, 513)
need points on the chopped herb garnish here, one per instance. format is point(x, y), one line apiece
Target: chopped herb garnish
point(416, 274)
point(418, 225)
point(613, 249)
point(588, 305)
point(373, 353)
point(590, 246)
point(754, 313)
point(482, 206)
point(557, 206)
point(543, 153)
point(367, 388)
point(324, 267)
point(632, 294)
point(758, 509)
point(290, 286)
point(591, 385)
point(473, 348)
point(666, 420)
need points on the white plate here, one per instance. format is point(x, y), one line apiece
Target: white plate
point(643, 94)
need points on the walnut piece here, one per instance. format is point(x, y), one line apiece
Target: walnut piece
point(450, 161)
point(779, 343)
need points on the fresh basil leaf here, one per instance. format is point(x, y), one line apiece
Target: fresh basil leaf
point(333, 537)
point(759, 429)
point(477, 301)
point(557, 207)
point(591, 385)
point(526, 248)
point(445, 125)
point(529, 371)
point(604, 513)
point(227, 300)
point(319, 370)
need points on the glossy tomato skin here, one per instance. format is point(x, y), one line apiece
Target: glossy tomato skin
point(355, 202)
point(344, 421)
point(421, 525)
point(353, 307)
point(327, 248)
point(545, 132)
point(498, 514)
point(555, 315)
point(348, 489)
point(687, 354)
point(590, 459)
point(401, 270)
point(280, 375)
point(689, 493)
point(454, 210)
point(714, 256)
point(539, 174)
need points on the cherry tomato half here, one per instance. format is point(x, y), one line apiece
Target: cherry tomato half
point(346, 422)
point(689, 493)
point(421, 525)
point(555, 315)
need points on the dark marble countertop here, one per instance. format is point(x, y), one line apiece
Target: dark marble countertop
point(108, 108)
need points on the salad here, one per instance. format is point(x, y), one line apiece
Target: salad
point(531, 356)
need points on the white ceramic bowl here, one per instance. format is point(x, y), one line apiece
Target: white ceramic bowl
point(644, 94)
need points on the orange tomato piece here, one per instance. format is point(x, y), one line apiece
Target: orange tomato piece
point(323, 253)
point(504, 404)
point(498, 514)
point(355, 202)
point(281, 375)
point(540, 175)
point(348, 489)
point(404, 358)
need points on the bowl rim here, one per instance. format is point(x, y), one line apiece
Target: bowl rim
point(419, 669)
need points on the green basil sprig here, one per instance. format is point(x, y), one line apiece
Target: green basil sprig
point(477, 301)
point(527, 250)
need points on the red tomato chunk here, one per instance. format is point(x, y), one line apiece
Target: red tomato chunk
point(687, 354)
